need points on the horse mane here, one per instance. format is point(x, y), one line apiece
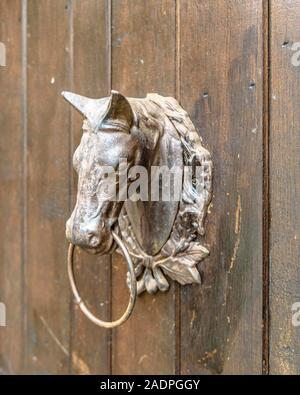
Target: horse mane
point(194, 154)
point(181, 253)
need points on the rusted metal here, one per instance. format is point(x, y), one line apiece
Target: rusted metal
point(163, 238)
point(132, 288)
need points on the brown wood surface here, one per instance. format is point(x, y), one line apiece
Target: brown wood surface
point(91, 77)
point(143, 60)
point(284, 187)
point(47, 288)
point(214, 56)
point(11, 190)
point(221, 88)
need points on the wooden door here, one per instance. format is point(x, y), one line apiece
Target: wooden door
point(233, 66)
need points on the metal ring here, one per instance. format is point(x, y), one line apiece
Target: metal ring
point(133, 288)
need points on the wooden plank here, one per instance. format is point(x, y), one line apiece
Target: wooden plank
point(221, 87)
point(91, 77)
point(143, 60)
point(11, 191)
point(48, 296)
point(284, 186)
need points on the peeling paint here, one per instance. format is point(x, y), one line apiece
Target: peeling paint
point(143, 357)
point(209, 354)
point(80, 365)
point(238, 216)
point(193, 318)
point(237, 231)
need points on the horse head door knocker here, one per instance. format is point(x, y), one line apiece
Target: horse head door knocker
point(144, 185)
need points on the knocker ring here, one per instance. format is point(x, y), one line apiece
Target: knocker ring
point(81, 304)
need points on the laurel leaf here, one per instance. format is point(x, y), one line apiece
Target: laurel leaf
point(161, 280)
point(196, 251)
point(181, 273)
point(182, 267)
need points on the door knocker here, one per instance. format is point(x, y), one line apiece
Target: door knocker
point(144, 186)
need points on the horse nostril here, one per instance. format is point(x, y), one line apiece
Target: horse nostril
point(93, 241)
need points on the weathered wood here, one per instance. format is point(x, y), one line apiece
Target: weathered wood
point(47, 287)
point(91, 76)
point(217, 48)
point(11, 190)
point(266, 188)
point(284, 186)
point(221, 87)
point(143, 61)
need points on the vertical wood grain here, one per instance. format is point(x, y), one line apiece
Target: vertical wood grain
point(11, 190)
point(48, 296)
point(284, 186)
point(266, 187)
point(91, 77)
point(143, 61)
point(209, 54)
point(221, 88)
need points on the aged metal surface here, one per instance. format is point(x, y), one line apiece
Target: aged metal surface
point(132, 288)
point(154, 131)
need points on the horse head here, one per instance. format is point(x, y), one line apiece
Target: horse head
point(162, 236)
point(110, 133)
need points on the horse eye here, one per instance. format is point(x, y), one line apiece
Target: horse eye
point(86, 126)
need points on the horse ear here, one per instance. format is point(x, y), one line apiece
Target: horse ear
point(119, 113)
point(92, 109)
point(112, 113)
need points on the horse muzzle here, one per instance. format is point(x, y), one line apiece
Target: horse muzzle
point(90, 237)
